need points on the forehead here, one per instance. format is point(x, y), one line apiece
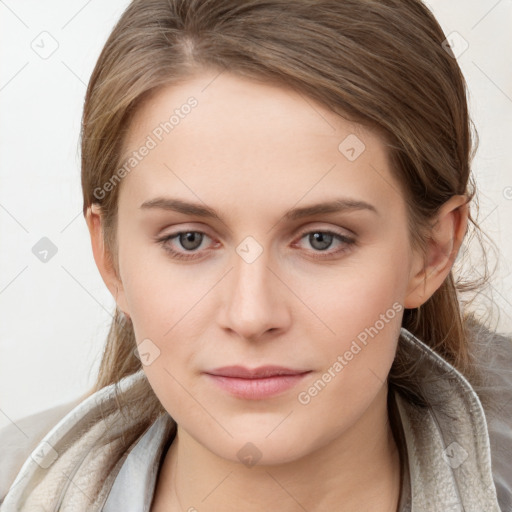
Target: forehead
point(217, 135)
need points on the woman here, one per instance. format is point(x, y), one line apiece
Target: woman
point(276, 193)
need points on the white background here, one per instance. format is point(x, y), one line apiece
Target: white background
point(55, 315)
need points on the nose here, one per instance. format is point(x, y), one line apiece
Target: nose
point(255, 300)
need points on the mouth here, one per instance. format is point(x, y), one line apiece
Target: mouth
point(258, 383)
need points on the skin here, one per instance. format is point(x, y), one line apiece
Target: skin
point(253, 151)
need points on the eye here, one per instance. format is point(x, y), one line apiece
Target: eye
point(190, 241)
point(321, 241)
point(185, 245)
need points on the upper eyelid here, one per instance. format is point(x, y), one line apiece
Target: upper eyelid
point(301, 231)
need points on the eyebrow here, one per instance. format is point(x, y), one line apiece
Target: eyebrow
point(185, 207)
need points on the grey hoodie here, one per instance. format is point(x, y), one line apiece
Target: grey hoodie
point(458, 448)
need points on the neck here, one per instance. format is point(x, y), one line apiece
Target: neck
point(360, 468)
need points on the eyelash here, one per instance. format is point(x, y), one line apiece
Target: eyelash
point(347, 241)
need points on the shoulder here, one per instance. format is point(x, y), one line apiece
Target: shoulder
point(21, 437)
point(493, 356)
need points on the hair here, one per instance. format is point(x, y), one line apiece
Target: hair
point(380, 63)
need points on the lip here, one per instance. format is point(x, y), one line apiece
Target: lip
point(257, 383)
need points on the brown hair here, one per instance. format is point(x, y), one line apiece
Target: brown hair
point(381, 63)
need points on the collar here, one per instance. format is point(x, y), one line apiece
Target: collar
point(447, 441)
point(135, 485)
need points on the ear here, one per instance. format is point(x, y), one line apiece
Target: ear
point(103, 258)
point(445, 238)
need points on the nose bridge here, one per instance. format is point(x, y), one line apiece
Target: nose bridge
point(252, 276)
point(254, 303)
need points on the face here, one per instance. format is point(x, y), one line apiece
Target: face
point(271, 277)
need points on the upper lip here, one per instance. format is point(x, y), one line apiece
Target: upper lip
point(254, 373)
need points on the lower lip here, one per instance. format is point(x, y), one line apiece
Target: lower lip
point(257, 389)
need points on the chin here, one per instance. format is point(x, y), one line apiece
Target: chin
point(255, 448)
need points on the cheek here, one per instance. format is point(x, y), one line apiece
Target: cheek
point(161, 301)
point(158, 292)
point(357, 357)
point(368, 296)
point(167, 312)
point(358, 295)
point(364, 310)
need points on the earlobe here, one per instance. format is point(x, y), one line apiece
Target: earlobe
point(102, 257)
point(445, 238)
